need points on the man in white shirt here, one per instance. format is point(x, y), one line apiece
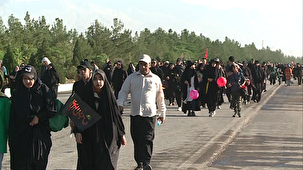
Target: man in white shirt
point(147, 98)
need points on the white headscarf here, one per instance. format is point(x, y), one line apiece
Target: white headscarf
point(45, 59)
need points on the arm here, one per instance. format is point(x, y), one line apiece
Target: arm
point(160, 101)
point(123, 93)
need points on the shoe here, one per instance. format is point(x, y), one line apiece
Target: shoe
point(218, 107)
point(211, 114)
point(234, 115)
point(239, 114)
point(139, 167)
point(179, 109)
point(170, 104)
point(191, 114)
point(214, 113)
point(147, 167)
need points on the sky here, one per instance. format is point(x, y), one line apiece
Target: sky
point(276, 24)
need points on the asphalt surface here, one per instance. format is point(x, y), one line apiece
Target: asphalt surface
point(267, 136)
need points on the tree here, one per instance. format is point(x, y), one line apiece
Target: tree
point(81, 50)
point(9, 60)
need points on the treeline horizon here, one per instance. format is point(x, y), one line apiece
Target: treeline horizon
point(30, 42)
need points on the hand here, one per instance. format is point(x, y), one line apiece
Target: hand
point(79, 138)
point(162, 119)
point(123, 142)
point(34, 121)
point(121, 108)
point(72, 125)
point(185, 82)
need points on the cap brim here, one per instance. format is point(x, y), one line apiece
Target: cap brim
point(31, 76)
point(82, 66)
point(144, 61)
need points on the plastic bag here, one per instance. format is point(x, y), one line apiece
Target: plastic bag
point(59, 121)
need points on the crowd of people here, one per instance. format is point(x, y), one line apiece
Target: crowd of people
point(246, 81)
point(150, 83)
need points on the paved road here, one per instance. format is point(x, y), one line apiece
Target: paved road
point(273, 140)
point(268, 131)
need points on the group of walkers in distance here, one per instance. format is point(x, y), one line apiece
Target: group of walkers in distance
point(25, 116)
point(245, 81)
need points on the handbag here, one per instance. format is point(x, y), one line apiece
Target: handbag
point(59, 121)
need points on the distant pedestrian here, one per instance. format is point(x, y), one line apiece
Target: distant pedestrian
point(108, 69)
point(131, 68)
point(50, 76)
point(298, 73)
point(119, 76)
point(288, 74)
point(236, 81)
point(6, 81)
point(146, 99)
point(12, 79)
point(178, 69)
point(189, 81)
point(94, 65)
point(211, 88)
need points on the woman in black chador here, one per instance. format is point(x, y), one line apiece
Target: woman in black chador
point(101, 142)
point(29, 133)
point(211, 88)
point(118, 78)
point(189, 82)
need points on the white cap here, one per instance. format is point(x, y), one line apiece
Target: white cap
point(145, 58)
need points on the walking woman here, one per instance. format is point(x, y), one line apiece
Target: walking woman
point(189, 81)
point(29, 133)
point(101, 142)
point(118, 78)
point(211, 88)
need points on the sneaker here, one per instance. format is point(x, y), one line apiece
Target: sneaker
point(214, 113)
point(147, 167)
point(239, 114)
point(218, 107)
point(179, 109)
point(139, 167)
point(211, 114)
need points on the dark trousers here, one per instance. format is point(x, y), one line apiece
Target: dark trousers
point(257, 92)
point(143, 133)
point(299, 80)
point(178, 98)
point(235, 100)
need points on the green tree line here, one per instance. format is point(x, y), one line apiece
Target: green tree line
point(31, 41)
